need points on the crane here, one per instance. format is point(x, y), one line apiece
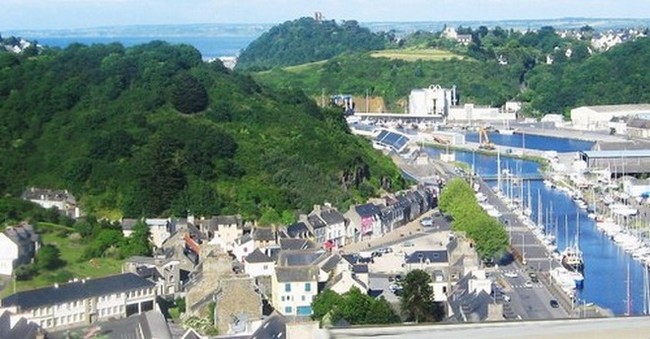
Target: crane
point(484, 140)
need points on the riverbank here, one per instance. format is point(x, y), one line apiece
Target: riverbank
point(503, 150)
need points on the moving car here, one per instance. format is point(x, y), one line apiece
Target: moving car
point(533, 277)
point(426, 222)
point(528, 284)
point(554, 303)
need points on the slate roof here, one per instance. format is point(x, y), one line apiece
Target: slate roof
point(332, 216)
point(340, 276)
point(34, 193)
point(316, 222)
point(360, 268)
point(351, 258)
point(274, 327)
point(257, 257)
point(298, 230)
point(299, 257)
point(427, 256)
point(367, 210)
point(263, 234)
point(639, 123)
point(21, 234)
point(127, 223)
point(331, 262)
point(31, 299)
point(296, 273)
point(296, 244)
point(24, 330)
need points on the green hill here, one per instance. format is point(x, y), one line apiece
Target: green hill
point(153, 130)
point(306, 40)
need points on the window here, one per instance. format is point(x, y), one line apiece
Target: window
point(282, 298)
point(287, 287)
point(288, 310)
point(307, 287)
point(303, 298)
point(265, 267)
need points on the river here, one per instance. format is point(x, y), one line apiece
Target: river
point(605, 263)
point(535, 142)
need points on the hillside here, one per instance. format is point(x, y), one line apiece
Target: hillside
point(306, 40)
point(618, 76)
point(153, 130)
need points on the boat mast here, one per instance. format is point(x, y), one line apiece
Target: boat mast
point(539, 208)
point(629, 300)
point(566, 231)
point(498, 170)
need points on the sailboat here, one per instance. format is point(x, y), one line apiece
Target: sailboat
point(572, 256)
point(506, 130)
point(528, 210)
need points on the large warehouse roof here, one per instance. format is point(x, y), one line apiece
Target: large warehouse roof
point(638, 108)
point(635, 153)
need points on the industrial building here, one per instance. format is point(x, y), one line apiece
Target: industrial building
point(473, 113)
point(433, 100)
point(598, 117)
point(618, 162)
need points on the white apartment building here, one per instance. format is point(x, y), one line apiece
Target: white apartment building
point(433, 100)
point(18, 245)
point(294, 288)
point(84, 301)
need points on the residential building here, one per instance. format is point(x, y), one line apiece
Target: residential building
point(471, 300)
point(298, 230)
point(164, 272)
point(62, 200)
point(365, 221)
point(83, 301)
point(227, 228)
point(598, 117)
point(12, 326)
point(427, 260)
point(293, 288)
point(296, 244)
point(345, 281)
point(336, 225)
point(318, 227)
point(238, 306)
point(18, 245)
point(258, 264)
point(160, 229)
point(243, 246)
point(264, 236)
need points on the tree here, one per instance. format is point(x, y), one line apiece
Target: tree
point(324, 303)
point(416, 300)
point(188, 95)
point(48, 258)
point(138, 243)
point(355, 306)
point(380, 312)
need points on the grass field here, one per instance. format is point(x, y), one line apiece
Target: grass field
point(71, 252)
point(428, 54)
point(305, 67)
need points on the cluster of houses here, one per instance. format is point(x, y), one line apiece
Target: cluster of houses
point(252, 274)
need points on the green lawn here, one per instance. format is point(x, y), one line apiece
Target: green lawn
point(305, 67)
point(426, 54)
point(71, 252)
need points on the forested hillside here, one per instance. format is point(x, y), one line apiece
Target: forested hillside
point(152, 130)
point(620, 75)
point(549, 73)
point(307, 40)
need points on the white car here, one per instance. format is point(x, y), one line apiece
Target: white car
point(394, 287)
point(511, 274)
point(528, 284)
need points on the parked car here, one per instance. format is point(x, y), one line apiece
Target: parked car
point(426, 222)
point(398, 278)
point(385, 250)
point(408, 244)
point(511, 274)
point(554, 303)
point(528, 284)
point(394, 288)
point(506, 298)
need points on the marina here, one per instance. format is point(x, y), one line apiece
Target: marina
point(605, 273)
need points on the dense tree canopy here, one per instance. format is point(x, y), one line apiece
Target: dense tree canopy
point(354, 306)
point(458, 200)
point(103, 121)
point(416, 300)
point(306, 40)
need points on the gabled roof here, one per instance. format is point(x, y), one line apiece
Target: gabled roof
point(297, 274)
point(257, 257)
point(316, 222)
point(34, 193)
point(300, 257)
point(331, 263)
point(21, 234)
point(350, 258)
point(427, 257)
point(263, 234)
point(367, 210)
point(83, 289)
point(299, 230)
point(275, 327)
point(360, 268)
point(296, 244)
point(229, 220)
point(332, 216)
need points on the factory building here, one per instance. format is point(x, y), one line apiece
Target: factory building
point(598, 117)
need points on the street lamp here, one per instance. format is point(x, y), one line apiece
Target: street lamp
point(523, 248)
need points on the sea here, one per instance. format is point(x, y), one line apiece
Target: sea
point(210, 46)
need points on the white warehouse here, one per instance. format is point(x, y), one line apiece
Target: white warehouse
point(598, 117)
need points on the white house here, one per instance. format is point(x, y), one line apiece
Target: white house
point(18, 245)
point(598, 117)
point(83, 302)
point(294, 288)
point(62, 200)
point(258, 264)
point(243, 246)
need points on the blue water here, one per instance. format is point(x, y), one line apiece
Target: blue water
point(210, 47)
point(535, 142)
point(605, 263)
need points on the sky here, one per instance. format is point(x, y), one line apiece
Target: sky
point(72, 14)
